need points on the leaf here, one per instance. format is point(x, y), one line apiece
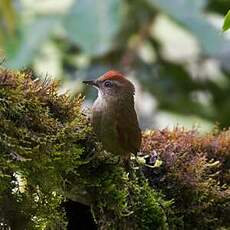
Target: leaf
point(93, 24)
point(33, 35)
point(190, 15)
point(226, 24)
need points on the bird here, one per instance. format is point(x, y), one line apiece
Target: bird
point(114, 119)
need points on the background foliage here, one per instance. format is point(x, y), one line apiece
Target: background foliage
point(174, 50)
point(226, 24)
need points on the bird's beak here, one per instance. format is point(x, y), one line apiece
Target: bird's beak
point(91, 82)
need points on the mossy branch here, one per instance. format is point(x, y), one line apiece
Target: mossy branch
point(48, 153)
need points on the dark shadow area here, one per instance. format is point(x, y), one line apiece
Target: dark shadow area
point(79, 216)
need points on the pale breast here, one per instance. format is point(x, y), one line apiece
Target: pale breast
point(104, 124)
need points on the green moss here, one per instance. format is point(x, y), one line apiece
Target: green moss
point(40, 131)
point(49, 153)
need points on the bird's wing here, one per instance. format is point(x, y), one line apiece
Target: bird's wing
point(128, 130)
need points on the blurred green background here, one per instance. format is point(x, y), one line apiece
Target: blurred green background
point(173, 50)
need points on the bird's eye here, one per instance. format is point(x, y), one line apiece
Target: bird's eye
point(108, 84)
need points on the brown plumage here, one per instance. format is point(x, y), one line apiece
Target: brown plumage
point(114, 117)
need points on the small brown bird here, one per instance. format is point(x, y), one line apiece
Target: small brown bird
point(114, 118)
